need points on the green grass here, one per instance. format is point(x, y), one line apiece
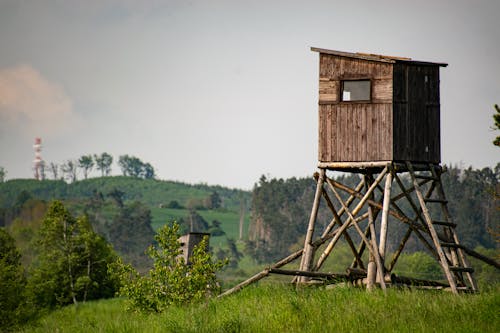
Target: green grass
point(280, 308)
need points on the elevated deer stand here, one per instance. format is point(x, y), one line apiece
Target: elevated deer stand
point(366, 210)
point(379, 117)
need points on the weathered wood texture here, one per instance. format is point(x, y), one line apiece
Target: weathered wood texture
point(400, 122)
point(416, 113)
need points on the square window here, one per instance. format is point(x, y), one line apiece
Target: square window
point(356, 90)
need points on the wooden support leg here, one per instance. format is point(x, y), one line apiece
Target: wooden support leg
point(385, 215)
point(372, 265)
point(307, 258)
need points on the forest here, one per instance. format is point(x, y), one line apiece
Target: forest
point(280, 207)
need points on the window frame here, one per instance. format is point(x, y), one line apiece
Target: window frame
point(341, 91)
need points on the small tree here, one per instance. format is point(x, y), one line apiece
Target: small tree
point(103, 163)
point(43, 174)
point(134, 167)
point(69, 170)
point(171, 281)
point(2, 174)
point(54, 170)
point(86, 163)
point(148, 172)
point(496, 118)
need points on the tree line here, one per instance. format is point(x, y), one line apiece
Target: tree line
point(281, 208)
point(70, 169)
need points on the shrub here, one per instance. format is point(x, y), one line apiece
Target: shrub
point(171, 281)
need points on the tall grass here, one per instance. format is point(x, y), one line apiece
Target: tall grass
point(282, 308)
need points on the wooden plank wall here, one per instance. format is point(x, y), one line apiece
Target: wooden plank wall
point(416, 113)
point(354, 131)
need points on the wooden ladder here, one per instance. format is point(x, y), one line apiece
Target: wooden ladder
point(449, 251)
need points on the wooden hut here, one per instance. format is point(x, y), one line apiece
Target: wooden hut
point(188, 243)
point(377, 108)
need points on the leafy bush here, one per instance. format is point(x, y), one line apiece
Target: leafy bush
point(171, 281)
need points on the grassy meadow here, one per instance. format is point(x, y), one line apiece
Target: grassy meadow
point(282, 308)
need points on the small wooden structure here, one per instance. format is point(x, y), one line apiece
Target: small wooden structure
point(188, 243)
point(379, 118)
point(377, 108)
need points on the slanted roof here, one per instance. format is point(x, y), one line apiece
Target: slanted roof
point(377, 57)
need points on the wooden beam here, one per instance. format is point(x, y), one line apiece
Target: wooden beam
point(410, 200)
point(363, 237)
point(451, 231)
point(435, 238)
point(308, 256)
point(385, 211)
point(328, 276)
point(353, 165)
point(332, 243)
point(401, 246)
point(369, 201)
point(481, 257)
point(349, 201)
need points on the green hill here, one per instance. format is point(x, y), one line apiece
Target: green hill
point(151, 192)
point(115, 204)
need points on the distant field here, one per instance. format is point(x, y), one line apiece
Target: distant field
point(280, 308)
point(230, 221)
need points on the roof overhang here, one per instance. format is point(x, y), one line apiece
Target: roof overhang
point(377, 57)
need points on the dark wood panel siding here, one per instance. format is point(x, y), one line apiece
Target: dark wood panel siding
point(355, 132)
point(416, 118)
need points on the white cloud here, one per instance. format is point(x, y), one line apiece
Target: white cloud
point(29, 103)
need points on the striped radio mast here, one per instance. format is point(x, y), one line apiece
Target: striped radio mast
point(38, 161)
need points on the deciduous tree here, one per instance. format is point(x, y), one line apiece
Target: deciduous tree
point(2, 174)
point(496, 118)
point(54, 170)
point(171, 281)
point(12, 282)
point(70, 170)
point(86, 163)
point(103, 163)
point(134, 167)
point(72, 262)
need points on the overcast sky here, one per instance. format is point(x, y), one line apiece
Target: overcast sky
point(222, 92)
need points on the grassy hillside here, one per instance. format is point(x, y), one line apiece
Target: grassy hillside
point(153, 193)
point(149, 191)
point(284, 309)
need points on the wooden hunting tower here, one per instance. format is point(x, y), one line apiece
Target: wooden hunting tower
point(379, 118)
point(377, 108)
point(188, 243)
